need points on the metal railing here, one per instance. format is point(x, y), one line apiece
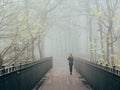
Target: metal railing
point(98, 76)
point(24, 76)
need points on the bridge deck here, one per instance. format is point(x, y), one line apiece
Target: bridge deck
point(59, 79)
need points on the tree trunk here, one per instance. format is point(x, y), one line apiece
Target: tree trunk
point(90, 39)
point(1, 62)
point(27, 51)
point(101, 38)
point(33, 57)
point(39, 48)
point(111, 45)
point(110, 53)
point(107, 48)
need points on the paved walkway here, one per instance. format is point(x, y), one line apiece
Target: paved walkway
point(59, 79)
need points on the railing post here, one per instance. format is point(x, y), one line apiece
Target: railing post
point(20, 66)
point(13, 67)
point(113, 69)
point(106, 67)
point(3, 70)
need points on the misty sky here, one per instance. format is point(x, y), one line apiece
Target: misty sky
point(67, 30)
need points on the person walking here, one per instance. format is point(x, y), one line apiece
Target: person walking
point(70, 59)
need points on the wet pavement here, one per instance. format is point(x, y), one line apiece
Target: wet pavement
point(59, 78)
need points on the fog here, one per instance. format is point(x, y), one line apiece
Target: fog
point(67, 31)
point(35, 29)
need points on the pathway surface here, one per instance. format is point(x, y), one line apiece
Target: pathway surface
point(58, 78)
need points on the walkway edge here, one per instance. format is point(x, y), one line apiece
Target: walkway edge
point(39, 84)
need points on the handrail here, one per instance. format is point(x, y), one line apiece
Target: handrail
point(107, 68)
point(6, 70)
point(99, 77)
point(24, 76)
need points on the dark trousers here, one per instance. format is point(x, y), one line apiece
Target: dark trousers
point(70, 67)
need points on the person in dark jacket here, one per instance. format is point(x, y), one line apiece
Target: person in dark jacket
point(71, 59)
